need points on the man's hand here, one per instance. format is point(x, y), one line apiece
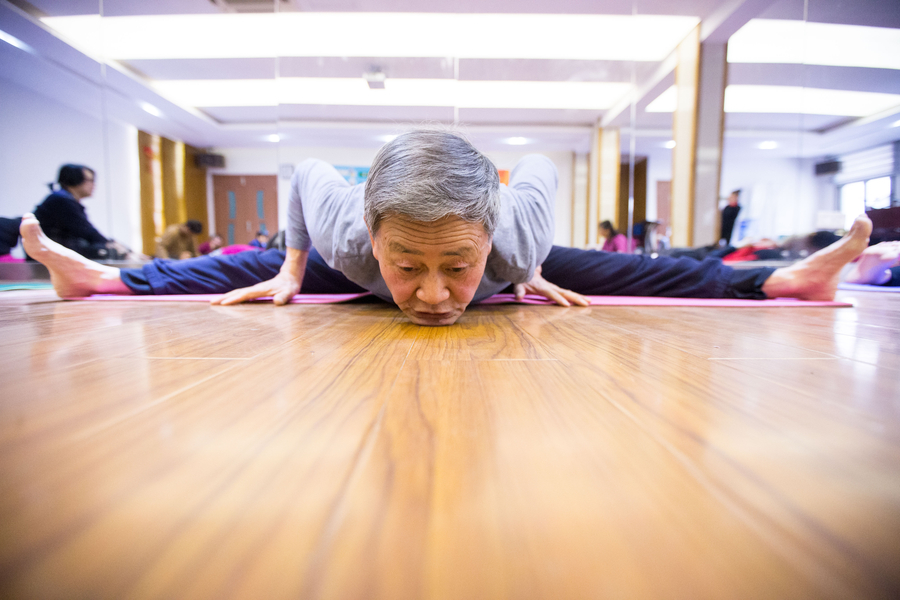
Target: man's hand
point(282, 287)
point(540, 286)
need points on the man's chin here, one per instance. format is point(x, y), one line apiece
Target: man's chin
point(429, 319)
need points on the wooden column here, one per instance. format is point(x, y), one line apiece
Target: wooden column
point(172, 160)
point(151, 191)
point(685, 134)
point(710, 128)
point(195, 190)
point(604, 188)
point(610, 159)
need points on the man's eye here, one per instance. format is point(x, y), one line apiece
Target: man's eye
point(407, 269)
point(456, 269)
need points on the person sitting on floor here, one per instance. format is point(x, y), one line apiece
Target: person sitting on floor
point(178, 240)
point(432, 230)
point(613, 240)
point(212, 244)
point(9, 237)
point(260, 241)
point(63, 217)
point(877, 265)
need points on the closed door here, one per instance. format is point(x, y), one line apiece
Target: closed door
point(245, 204)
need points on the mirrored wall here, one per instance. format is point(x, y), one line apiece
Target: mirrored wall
point(810, 91)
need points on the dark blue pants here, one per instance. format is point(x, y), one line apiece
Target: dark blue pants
point(588, 272)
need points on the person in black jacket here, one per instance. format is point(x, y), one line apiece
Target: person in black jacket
point(729, 216)
point(64, 219)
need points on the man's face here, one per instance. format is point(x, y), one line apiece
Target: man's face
point(431, 269)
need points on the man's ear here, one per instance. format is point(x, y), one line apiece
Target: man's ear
point(372, 241)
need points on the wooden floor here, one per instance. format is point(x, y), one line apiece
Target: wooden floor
point(179, 450)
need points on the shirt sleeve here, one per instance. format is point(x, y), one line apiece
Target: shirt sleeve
point(524, 235)
point(314, 187)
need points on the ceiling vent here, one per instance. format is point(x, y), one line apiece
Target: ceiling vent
point(252, 6)
point(375, 78)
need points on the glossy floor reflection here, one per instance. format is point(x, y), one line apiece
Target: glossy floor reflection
point(188, 451)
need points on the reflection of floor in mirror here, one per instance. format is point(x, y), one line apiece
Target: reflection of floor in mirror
point(182, 450)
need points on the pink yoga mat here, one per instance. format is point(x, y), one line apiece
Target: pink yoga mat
point(505, 299)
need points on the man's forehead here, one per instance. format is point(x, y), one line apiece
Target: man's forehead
point(406, 235)
point(463, 250)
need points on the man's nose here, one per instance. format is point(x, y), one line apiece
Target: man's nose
point(433, 289)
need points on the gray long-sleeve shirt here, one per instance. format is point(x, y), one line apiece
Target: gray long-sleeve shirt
point(327, 212)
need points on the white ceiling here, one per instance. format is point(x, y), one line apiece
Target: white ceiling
point(54, 68)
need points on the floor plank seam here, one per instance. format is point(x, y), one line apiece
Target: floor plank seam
point(137, 411)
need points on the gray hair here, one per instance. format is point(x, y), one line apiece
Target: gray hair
point(427, 175)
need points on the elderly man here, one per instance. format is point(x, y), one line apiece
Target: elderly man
point(432, 231)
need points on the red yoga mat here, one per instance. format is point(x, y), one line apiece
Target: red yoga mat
point(503, 299)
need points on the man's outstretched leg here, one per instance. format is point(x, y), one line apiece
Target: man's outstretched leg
point(72, 275)
point(611, 274)
point(817, 276)
point(75, 276)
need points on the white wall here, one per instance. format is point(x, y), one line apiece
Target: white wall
point(659, 168)
point(39, 134)
point(779, 197)
point(266, 161)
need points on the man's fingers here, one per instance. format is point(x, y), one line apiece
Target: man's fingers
point(240, 295)
point(519, 291)
point(282, 298)
point(576, 298)
point(555, 295)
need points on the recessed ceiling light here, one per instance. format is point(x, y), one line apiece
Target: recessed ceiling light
point(802, 42)
point(788, 99)
point(387, 138)
point(273, 138)
point(386, 34)
point(895, 123)
point(670, 144)
point(147, 107)
point(767, 145)
point(516, 141)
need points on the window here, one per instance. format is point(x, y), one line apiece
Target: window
point(860, 196)
point(878, 193)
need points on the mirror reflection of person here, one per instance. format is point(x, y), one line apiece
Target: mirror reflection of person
point(261, 240)
point(729, 216)
point(877, 265)
point(178, 240)
point(212, 244)
point(64, 220)
point(613, 240)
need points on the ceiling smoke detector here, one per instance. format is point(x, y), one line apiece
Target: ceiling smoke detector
point(375, 78)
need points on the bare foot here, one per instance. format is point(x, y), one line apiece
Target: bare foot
point(817, 276)
point(72, 275)
point(874, 264)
